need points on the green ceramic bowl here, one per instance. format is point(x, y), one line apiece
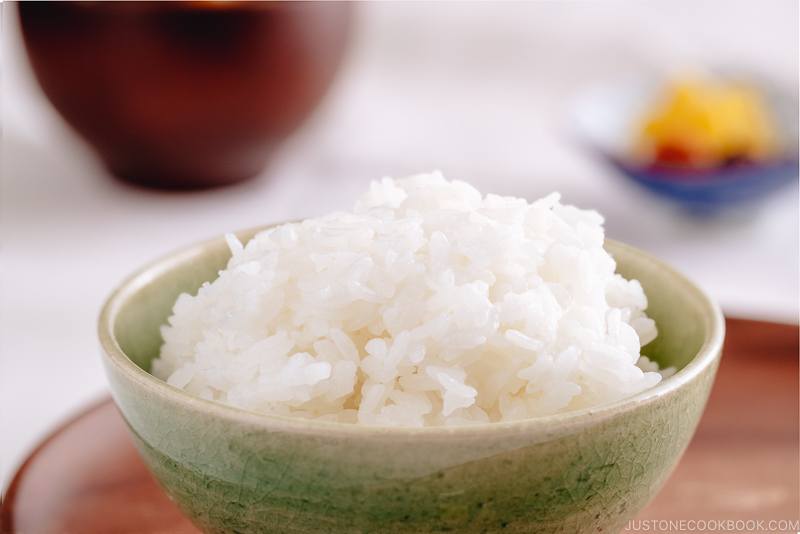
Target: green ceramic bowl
point(236, 471)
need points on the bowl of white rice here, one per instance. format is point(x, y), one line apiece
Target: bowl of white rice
point(433, 359)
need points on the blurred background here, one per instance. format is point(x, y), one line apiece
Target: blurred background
point(515, 98)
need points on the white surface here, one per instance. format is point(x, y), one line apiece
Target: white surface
point(478, 90)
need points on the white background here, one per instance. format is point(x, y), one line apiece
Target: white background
point(481, 91)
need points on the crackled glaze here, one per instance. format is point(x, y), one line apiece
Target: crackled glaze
point(233, 471)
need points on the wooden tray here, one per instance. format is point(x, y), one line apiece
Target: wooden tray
point(87, 478)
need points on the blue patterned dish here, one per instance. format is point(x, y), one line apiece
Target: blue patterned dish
point(604, 117)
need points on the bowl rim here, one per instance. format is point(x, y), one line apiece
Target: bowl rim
point(697, 179)
point(113, 354)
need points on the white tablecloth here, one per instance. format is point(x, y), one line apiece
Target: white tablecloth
point(480, 91)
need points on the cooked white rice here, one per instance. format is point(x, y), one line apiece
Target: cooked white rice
point(428, 304)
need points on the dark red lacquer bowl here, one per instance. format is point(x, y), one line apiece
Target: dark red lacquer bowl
point(185, 94)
